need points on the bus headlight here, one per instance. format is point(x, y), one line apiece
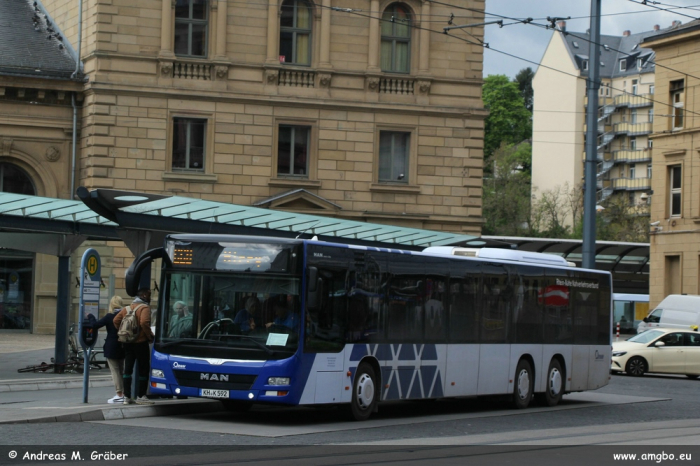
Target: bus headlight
point(278, 381)
point(157, 373)
point(617, 354)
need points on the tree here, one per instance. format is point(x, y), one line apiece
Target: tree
point(506, 202)
point(509, 122)
point(620, 221)
point(524, 81)
point(550, 211)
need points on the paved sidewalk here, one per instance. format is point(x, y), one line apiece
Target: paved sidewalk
point(50, 397)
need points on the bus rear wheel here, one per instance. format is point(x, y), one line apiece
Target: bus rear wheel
point(524, 382)
point(364, 393)
point(555, 385)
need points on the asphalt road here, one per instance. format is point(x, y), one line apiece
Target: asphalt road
point(487, 420)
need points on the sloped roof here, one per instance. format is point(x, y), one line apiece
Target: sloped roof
point(612, 50)
point(677, 30)
point(30, 44)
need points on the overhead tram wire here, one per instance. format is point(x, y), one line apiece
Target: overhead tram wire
point(486, 45)
point(651, 5)
point(531, 21)
point(694, 7)
point(607, 47)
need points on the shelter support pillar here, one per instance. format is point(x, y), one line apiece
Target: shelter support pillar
point(62, 311)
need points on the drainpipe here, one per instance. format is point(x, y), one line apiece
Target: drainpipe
point(75, 108)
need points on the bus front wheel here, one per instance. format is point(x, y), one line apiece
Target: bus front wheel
point(364, 393)
point(524, 382)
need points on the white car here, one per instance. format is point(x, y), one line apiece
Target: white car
point(661, 350)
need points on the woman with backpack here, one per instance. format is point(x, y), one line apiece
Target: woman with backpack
point(135, 332)
point(113, 349)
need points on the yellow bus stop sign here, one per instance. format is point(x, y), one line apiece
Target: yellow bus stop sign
point(92, 265)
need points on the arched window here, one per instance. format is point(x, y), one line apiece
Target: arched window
point(14, 180)
point(396, 39)
point(295, 33)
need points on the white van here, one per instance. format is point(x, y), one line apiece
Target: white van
point(675, 311)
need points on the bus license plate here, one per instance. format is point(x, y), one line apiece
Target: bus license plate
point(214, 393)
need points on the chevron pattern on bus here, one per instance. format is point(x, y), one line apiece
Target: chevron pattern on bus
point(405, 374)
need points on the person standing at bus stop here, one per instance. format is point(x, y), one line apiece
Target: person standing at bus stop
point(113, 349)
point(139, 349)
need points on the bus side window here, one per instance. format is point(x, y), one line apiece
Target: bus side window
point(325, 326)
point(527, 316)
point(435, 304)
point(464, 315)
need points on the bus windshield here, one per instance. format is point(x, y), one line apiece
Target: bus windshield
point(229, 315)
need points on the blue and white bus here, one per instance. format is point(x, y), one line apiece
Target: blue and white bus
point(305, 322)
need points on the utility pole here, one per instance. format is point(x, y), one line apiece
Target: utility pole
point(590, 168)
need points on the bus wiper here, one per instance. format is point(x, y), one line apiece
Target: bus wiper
point(184, 340)
point(256, 342)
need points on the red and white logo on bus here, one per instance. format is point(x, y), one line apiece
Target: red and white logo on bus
point(554, 295)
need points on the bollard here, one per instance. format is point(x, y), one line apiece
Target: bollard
point(618, 332)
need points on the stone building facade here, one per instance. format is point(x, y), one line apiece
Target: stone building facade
point(357, 109)
point(385, 117)
point(675, 206)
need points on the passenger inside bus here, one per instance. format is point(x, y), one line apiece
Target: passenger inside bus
point(283, 316)
point(248, 317)
point(181, 322)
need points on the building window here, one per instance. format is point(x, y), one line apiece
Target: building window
point(650, 143)
point(295, 33)
point(633, 171)
point(634, 86)
point(677, 88)
point(675, 184)
point(585, 65)
point(191, 23)
point(651, 115)
point(14, 180)
point(396, 39)
point(189, 135)
point(623, 65)
point(633, 143)
point(394, 148)
point(633, 116)
point(651, 89)
point(293, 149)
point(649, 171)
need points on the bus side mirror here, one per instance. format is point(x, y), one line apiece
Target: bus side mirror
point(133, 273)
point(313, 297)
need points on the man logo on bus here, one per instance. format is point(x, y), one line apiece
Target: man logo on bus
point(218, 377)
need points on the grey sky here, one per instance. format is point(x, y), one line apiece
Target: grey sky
point(530, 42)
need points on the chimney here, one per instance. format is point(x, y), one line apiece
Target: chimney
point(626, 33)
point(561, 25)
point(656, 27)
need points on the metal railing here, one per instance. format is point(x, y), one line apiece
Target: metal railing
point(631, 184)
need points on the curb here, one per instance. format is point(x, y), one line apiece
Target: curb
point(167, 408)
point(21, 385)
